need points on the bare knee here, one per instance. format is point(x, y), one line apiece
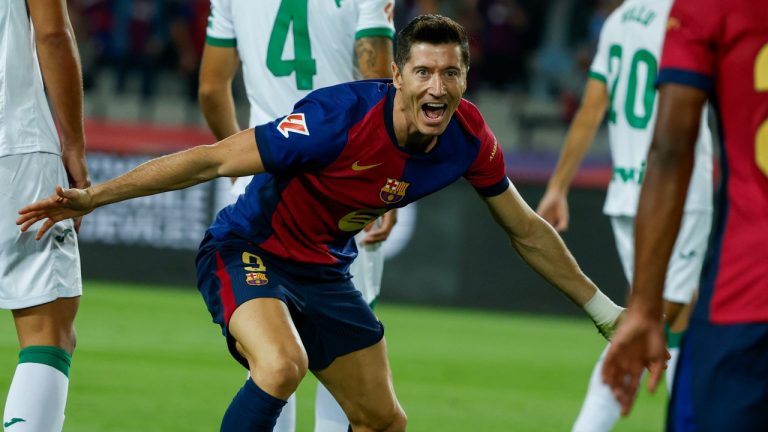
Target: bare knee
point(280, 375)
point(393, 420)
point(47, 325)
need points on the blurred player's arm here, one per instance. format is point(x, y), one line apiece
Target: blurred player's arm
point(640, 341)
point(235, 156)
point(374, 57)
point(62, 74)
point(540, 246)
point(374, 60)
point(218, 68)
point(554, 205)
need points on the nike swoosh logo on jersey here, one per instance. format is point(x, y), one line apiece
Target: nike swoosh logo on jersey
point(357, 167)
point(13, 422)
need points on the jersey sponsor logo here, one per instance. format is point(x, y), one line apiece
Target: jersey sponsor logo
point(293, 123)
point(389, 10)
point(629, 174)
point(13, 421)
point(357, 167)
point(393, 191)
point(358, 219)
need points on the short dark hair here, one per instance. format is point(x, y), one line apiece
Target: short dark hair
point(432, 29)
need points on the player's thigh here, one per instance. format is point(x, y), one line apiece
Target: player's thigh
point(361, 382)
point(687, 259)
point(34, 272)
point(246, 297)
point(264, 331)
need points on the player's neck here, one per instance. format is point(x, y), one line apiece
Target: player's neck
point(407, 134)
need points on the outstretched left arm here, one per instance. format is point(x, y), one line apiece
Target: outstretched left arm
point(540, 246)
point(235, 156)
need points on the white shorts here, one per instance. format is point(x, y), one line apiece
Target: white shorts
point(34, 272)
point(366, 269)
point(687, 258)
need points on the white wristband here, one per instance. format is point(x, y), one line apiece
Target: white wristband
point(601, 309)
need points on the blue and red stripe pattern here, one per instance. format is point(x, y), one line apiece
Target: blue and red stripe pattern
point(334, 165)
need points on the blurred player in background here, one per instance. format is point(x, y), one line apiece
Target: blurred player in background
point(621, 82)
point(39, 281)
point(289, 48)
point(718, 50)
point(273, 267)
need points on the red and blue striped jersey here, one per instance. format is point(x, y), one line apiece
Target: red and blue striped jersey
point(333, 165)
point(721, 46)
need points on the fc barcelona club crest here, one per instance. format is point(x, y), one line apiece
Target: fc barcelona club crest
point(393, 191)
point(256, 279)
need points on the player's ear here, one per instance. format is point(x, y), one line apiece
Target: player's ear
point(464, 81)
point(397, 77)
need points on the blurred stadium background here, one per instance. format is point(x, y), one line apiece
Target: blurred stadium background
point(478, 341)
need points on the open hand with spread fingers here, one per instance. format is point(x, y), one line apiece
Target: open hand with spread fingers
point(638, 344)
point(64, 204)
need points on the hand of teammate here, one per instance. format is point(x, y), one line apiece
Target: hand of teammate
point(377, 234)
point(553, 207)
point(64, 204)
point(638, 344)
point(77, 173)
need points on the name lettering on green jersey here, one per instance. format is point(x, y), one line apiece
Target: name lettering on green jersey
point(639, 14)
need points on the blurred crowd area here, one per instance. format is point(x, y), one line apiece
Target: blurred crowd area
point(529, 59)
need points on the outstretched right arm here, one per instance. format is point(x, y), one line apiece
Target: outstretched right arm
point(554, 205)
point(235, 156)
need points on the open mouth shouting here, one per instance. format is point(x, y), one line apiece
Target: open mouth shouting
point(433, 112)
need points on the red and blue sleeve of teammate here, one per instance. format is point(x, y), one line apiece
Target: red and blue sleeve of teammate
point(688, 57)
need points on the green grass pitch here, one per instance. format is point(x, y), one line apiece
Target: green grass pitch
point(149, 359)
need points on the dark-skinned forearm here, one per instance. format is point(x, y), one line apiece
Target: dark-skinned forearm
point(218, 108)
point(662, 197)
point(60, 66)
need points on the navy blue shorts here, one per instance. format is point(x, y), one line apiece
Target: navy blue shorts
point(329, 313)
point(721, 382)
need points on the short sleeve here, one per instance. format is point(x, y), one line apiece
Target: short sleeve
point(375, 19)
point(309, 138)
point(221, 29)
point(599, 68)
point(488, 173)
point(688, 56)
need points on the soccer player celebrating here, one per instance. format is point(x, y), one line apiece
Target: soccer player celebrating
point(359, 45)
point(621, 83)
point(714, 50)
point(273, 268)
point(39, 281)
